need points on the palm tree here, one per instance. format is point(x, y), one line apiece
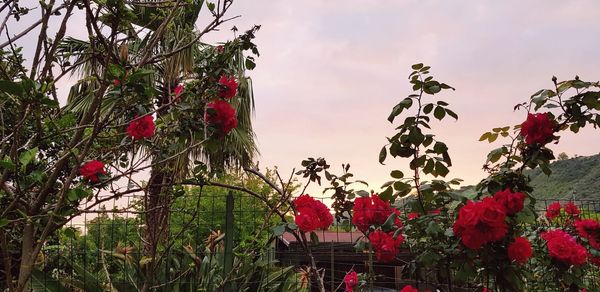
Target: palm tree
point(192, 65)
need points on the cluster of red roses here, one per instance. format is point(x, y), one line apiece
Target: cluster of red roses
point(563, 247)
point(372, 210)
point(385, 246)
point(368, 211)
point(538, 129)
point(220, 112)
point(554, 209)
point(311, 214)
point(482, 222)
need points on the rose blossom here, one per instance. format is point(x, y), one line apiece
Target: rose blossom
point(512, 202)
point(141, 128)
point(91, 169)
point(311, 214)
point(590, 230)
point(228, 87)
point(221, 114)
point(553, 211)
point(572, 209)
point(351, 281)
point(519, 250)
point(537, 129)
point(480, 222)
point(563, 247)
point(409, 288)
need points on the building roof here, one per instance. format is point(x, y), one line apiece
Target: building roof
point(327, 236)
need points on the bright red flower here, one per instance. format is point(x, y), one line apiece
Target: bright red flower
point(513, 202)
point(537, 129)
point(413, 215)
point(178, 90)
point(307, 219)
point(480, 222)
point(520, 250)
point(594, 260)
point(372, 210)
point(116, 82)
point(553, 211)
point(228, 87)
point(385, 246)
point(590, 230)
point(220, 113)
point(563, 247)
point(572, 209)
point(141, 128)
point(409, 288)
point(91, 170)
point(351, 281)
point(311, 214)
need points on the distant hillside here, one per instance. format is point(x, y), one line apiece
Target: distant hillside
point(575, 178)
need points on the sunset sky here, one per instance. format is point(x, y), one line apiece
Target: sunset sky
point(330, 72)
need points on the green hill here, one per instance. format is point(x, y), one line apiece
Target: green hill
point(576, 178)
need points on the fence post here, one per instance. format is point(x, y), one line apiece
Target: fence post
point(228, 256)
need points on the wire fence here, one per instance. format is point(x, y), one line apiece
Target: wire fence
point(105, 250)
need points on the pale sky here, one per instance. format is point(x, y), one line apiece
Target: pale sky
point(330, 72)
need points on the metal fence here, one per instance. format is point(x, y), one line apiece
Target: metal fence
point(103, 250)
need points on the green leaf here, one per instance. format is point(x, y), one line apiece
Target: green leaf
point(279, 230)
point(211, 6)
point(314, 238)
point(485, 136)
point(439, 113)
point(27, 157)
point(139, 74)
point(115, 71)
point(382, 155)
point(440, 147)
point(417, 66)
point(389, 223)
point(397, 174)
point(11, 87)
point(387, 194)
point(428, 108)
point(452, 114)
point(441, 169)
point(69, 232)
point(4, 222)
point(7, 164)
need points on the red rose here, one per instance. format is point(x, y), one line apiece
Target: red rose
point(91, 169)
point(564, 248)
point(178, 90)
point(221, 114)
point(409, 288)
point(372, 210)
point(520, 250)
point(572, 209)
point(553, 211)
point(437, 211)
point(220, 49)
point(480, 222)
point(306, 219)
point(512, 202)
point(228, 87)
point(385, 246)
point(141, 128)
point(351, 281)
point(537, 129)
point(590, 230)
point(413, 215)
point(116, 82)
point(306, 206)
point(594, 260)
